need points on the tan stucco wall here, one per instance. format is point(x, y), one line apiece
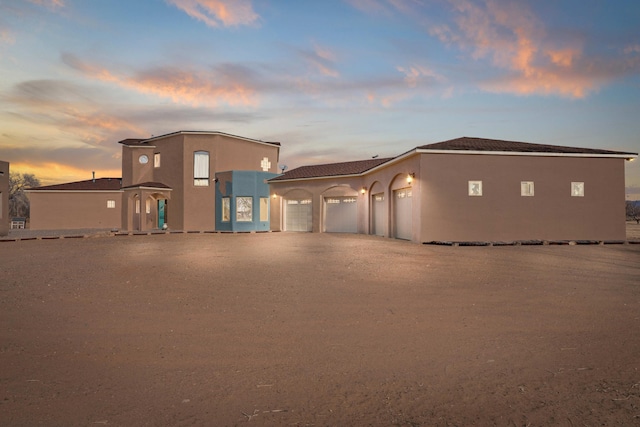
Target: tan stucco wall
point(502, 214)
point(442, 210)
point(4, 198)
point(133, 172)
point(56, 210)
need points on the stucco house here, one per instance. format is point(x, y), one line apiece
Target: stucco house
point(182, 180)
point(4, 198)
point(462, 190)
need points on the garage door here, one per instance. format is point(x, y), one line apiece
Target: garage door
point(403, 223)
point(341, 215)
point(377, 213)
point(298, 215)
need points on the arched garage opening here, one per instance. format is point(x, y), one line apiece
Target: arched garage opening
point(402, 205)
point(298, 210)
point(340, 210)
point(378, 209)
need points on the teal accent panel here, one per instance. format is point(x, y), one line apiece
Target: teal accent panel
point(235, 184)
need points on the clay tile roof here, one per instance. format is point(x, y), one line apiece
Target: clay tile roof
point(482, 144)
point(148, 185)
point(99, 184)
point(331, 169)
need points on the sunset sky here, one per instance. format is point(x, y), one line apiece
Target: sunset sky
point(332, 80)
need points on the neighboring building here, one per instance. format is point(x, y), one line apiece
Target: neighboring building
point(4, 198)
point(466, 189)
point(167, 180)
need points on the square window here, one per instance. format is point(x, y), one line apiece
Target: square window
point(226, 209)
point(577, 189)
point(111, 204)
point(244, 209)
point(526, 188)
point(156, 160)
point(475, 188)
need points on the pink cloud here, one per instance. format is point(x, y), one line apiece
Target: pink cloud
point(181, 85)
point(512, 38)
point(416, 74)
point(215, 13)
point(322, 59)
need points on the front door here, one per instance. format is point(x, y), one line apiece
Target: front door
point(161, 207)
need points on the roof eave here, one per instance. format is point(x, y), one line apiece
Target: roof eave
point(620, 155)
point(190, 132)
point(33, 190)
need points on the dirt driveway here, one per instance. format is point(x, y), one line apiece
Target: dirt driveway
point(316, 329)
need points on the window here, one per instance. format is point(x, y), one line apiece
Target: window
point(577, 189)
point(264, 209)
point(244, 209)
point(475, 188)
point(201, 169)
point(147, 206)
point(1, 199)
point(226, 209)
point(156, 160)
point(111, 204)
point(526, 188)
point(137, 206)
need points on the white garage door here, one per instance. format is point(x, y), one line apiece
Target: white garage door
point(341, 215)
point(377, 212)
point(403, 223)
point(298, 215)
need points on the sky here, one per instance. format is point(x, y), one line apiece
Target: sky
point(331, 80)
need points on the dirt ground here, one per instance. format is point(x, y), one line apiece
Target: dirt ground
point(316, 329)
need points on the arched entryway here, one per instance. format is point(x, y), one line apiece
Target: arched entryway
point(146, 206)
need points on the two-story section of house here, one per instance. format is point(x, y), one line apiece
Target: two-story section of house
point(171, 179)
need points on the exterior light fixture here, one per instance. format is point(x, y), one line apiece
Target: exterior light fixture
point(363, 190)
point(410, 177)
point(275, 195)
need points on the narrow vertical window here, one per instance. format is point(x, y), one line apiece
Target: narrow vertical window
point(226, 209)
point(264, 209)
point(156, 160)
point(475, 188)
point(201, 169)
point(147, 207)
point(526, 188)
point(137, 206)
